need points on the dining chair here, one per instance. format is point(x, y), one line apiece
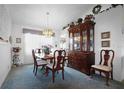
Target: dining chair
point(37, 63)
point(38, 52)
point(105, 65)
point(57, 65)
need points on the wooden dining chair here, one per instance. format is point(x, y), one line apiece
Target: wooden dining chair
point(38, 51)
point(37, 63)
point(58, 64)
point(105, 65)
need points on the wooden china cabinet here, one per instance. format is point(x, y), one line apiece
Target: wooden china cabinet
point(81, 45)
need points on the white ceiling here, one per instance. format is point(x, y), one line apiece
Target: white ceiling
point(35, 14)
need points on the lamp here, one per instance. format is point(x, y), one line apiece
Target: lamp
point(48, 32)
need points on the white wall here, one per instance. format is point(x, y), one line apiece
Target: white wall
point(122, 46)
point(5, 22)
point(5, 61)
point(5, 53)
point(65, 34)
point(56, 39)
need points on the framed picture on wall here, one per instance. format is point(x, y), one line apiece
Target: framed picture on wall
point(18, 40)
point(105, 43)
point(105, 35)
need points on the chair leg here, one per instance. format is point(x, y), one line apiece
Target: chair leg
point(43, 67)
point(46, 71)
point(36, 71)
point(107, 78)
point(53, 75)
point(63, 74)
point(57, 72)
point(111, 75)
point(91, 72)
point(100, 73)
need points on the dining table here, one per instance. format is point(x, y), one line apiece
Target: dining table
point(46, 57)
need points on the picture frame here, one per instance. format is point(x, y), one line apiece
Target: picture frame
point(18, 40)
point(105, 35)
point(105, 43)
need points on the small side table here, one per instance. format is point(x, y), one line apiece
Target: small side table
point(15, 57)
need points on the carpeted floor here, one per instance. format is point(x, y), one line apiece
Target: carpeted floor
point(22, 77)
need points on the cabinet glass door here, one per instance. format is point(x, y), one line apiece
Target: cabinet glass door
point(71, 42)
point(91, 40)
point(84, 43)
point(77, 41)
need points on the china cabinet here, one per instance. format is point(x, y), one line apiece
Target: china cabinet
point(81, 45)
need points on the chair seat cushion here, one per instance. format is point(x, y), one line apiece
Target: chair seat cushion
point(41, 62)
point(102, 67)
point(38, 59)
point(49, 66)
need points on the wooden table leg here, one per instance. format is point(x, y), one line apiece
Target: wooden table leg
point(51, 60)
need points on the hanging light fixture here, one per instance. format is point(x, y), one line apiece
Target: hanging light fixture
point(48, 32)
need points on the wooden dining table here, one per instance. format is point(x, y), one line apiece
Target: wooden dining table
point(48, 57)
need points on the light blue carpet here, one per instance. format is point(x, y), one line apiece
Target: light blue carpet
point(22, 77)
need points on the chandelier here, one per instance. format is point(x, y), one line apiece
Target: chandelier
point(48, 32)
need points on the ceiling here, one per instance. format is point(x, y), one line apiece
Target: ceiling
point(35, 14)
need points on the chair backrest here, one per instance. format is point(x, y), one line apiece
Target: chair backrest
point(34, 57)
point(38, 50)
point(59, 58)
point(106, 57)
